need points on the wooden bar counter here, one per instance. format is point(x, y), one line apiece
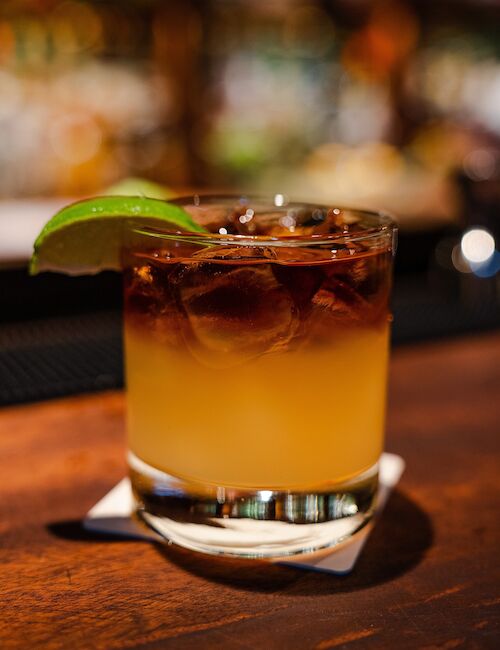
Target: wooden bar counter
point(428, 577)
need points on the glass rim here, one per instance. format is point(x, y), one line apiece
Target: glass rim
point(384, 223)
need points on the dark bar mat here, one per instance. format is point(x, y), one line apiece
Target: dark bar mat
point(46, 358)
point(53, 357)
point(422, 314)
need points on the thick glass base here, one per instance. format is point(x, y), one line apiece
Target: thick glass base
point(250, 523)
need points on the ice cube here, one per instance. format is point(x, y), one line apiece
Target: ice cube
point(341, 301)
point(233, 253)
point(351, 271)
point(143, 292)
point(234, 313)
point(302, 282)
point(150, 304)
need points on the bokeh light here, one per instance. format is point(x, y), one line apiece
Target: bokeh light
point(378, 104)
point(477, 245)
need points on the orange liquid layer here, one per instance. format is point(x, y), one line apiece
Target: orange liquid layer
point(295, 418)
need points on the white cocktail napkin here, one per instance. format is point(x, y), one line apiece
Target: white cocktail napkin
point(112, 514)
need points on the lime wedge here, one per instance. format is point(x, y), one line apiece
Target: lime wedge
point(87, 236)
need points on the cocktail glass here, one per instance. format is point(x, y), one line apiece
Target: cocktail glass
point(256, 364)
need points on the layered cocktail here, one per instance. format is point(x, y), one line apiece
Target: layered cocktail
point(256, 359)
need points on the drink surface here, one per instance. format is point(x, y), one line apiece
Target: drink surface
point(255, 367)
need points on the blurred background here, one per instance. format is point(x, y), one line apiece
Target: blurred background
point(391, 104)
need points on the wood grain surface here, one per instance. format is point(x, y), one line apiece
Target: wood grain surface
point(428, 577)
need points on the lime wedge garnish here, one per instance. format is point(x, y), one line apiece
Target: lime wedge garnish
point(87, 236)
